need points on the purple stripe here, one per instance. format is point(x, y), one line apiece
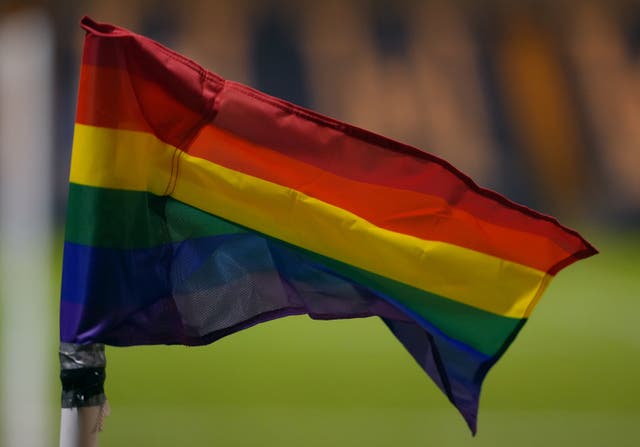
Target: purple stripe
point(197, 291)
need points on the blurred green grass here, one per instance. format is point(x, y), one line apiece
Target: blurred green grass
point(570, 378)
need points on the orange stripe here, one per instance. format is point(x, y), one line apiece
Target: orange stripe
point(420, 215)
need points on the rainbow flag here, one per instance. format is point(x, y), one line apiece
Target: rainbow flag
point(199, 207)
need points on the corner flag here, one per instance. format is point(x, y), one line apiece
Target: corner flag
point(199, 207)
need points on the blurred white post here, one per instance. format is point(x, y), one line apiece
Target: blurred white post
point(26, 74)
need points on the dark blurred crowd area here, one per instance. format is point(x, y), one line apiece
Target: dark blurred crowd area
point(539, 100)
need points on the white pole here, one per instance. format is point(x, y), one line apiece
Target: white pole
point(26, 286)
point(79, 427)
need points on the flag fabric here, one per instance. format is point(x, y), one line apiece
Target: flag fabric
point(199, 207)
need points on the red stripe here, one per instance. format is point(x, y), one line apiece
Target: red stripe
point(169, 80)
point(178, 97)
point(111, 97)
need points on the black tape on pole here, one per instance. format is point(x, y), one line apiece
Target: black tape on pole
point(82, 372)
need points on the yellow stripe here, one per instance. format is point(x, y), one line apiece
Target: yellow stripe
point(121, 159)
point(138, 161)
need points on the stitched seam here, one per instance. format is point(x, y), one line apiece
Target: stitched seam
point(208, 116)
point(171, 180)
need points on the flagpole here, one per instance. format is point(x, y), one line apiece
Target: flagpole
point(84, 404)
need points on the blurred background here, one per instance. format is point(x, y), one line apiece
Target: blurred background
point(539, 100)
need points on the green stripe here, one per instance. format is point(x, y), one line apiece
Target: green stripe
point(112, 218)
point(482, 330)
